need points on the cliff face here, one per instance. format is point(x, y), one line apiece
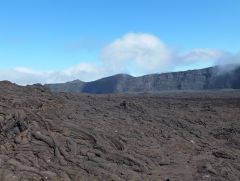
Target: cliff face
point(208, 78)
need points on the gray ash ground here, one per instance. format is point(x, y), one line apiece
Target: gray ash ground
point(168, 136)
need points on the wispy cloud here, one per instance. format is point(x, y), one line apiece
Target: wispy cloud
point(202, 55)
point(229, 58)
point(134, 53)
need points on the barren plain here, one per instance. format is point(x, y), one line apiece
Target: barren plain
point(170, 136)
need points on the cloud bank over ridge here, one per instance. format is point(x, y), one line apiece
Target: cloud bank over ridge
point(134, 53)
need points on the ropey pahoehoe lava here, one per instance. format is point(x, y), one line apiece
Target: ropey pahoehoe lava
point(190, 135)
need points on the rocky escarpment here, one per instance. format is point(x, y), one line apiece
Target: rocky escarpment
point(209, 78)
point(72, 137)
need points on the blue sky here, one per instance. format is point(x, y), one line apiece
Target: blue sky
point(88, 39)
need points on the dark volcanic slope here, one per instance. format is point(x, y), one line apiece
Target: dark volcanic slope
point(209, 78)
point(59, 136)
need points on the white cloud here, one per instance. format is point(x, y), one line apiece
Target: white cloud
point(146, 52)
point(134, 53)
point(84, 71)
point(21, 77)
point(24, 76)
point(141, 53)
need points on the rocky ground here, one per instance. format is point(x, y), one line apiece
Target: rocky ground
point(168, 136)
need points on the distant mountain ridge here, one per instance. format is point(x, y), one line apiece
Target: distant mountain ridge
point(201, 79)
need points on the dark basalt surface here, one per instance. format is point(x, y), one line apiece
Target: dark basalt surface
point(168, 136)
point(227, 77)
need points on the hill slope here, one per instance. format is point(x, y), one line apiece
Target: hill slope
point(209, 78)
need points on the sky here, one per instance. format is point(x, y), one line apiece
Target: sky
point(49, 41)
